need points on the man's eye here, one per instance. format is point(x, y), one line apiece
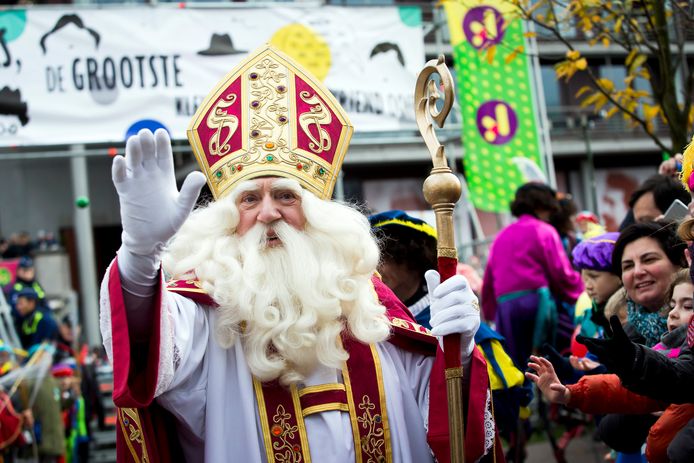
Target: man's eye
point(286, 196)
point(248, 199)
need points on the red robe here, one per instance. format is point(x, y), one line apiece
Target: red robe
point(146, 429)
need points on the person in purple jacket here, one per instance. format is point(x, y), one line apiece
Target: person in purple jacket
point(528, 275)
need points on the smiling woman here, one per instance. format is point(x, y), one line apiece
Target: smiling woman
point(647, 256)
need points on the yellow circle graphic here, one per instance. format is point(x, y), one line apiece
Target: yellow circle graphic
point(306, 46)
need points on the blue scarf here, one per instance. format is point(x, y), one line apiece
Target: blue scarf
point(651, 325)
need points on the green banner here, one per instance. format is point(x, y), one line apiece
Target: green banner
point(496, 99)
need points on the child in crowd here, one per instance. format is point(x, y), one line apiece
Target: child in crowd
point(679, 316)
point(593, 257)
point(73, 412)
point(602, 394)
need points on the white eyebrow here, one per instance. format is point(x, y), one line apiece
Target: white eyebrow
point(248, 185)
point(286, 184)
point(279, 184)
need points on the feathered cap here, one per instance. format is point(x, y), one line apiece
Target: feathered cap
point(398, 218)
point(687, 166)
point(587, 216)
point(595, 253)
point(269, 117)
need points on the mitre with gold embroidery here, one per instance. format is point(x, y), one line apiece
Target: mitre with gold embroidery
point(269, 117)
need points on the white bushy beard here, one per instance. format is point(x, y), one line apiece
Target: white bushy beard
point(293, 300)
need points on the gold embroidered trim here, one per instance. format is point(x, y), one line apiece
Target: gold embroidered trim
point(455, 372)
point(372, 444)
point(352, 412)
point(375, 446)
point(382, 398)
point(399, 322)
point(284, 451)
point(262, 411)
point(321, 388)
point(318, 115)
point(301, 425)
point(186, 290)
point(324, 408)
point(218, 119)
point(268, 114)
point(410, 326)
point(447, 252)
point(130, 418)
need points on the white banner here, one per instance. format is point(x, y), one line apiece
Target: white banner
point(91, 76)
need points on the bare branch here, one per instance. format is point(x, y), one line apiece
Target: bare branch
point(686, 15)
point(688, 89)
point(634, 30)
point(632, 37)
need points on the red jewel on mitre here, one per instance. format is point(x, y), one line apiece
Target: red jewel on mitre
point(269, 117)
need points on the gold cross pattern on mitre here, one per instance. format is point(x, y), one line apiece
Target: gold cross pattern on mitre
point(269, 117)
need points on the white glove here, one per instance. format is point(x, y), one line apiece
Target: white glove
point(151, 208)
point(454, 309)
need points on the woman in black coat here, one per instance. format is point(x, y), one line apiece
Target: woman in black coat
point(645, 371)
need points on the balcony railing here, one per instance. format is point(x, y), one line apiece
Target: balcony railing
point(568, 121)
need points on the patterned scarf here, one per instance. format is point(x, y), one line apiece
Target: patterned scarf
point(651, 325)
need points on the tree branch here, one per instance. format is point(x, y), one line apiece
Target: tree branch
point(630, 27)
point(685, 14)
point(593, 78)
point(634, 116)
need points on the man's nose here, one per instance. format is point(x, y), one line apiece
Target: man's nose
point(268, 211)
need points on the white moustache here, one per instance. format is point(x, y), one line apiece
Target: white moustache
point(261, 235)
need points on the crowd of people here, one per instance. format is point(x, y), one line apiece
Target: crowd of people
point(274, 324)
point(554, 296)
point(21, 244)
point(595, 319)
point(558, 292)
point(640, 292)
point(49, 393)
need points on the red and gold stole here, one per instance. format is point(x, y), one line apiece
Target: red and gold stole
point(282, 410)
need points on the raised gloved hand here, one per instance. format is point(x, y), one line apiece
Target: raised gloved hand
point(616, 352)
point(454, 309)
point(598, 317)
point(151, 207)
